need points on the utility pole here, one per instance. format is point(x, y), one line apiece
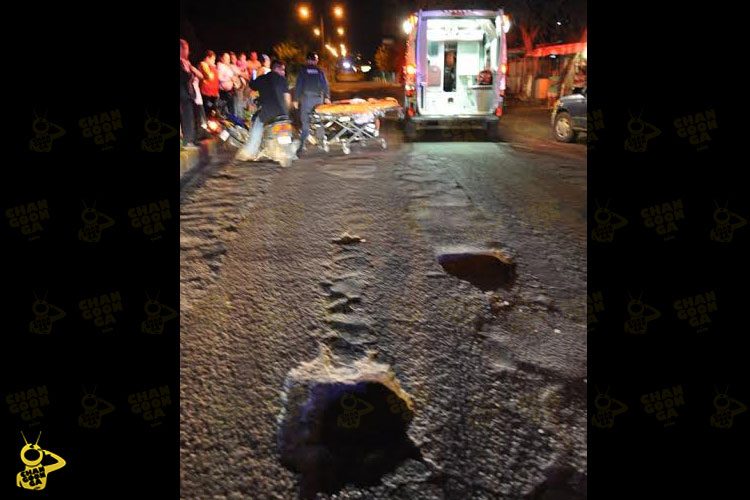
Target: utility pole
point(322, 36)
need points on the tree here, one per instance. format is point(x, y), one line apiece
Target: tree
point(390, 58)
point(383, 58)
point(289, 52)
point(536, 21)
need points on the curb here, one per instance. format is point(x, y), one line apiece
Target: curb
point(193, 161)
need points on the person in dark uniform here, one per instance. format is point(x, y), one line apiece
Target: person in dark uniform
point(311, 89)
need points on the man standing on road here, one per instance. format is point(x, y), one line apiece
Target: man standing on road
point(274, 100)
point(311, 89)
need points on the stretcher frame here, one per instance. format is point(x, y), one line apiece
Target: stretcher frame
point(343, 129)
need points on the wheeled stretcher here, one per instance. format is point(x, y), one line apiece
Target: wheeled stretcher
point(350, 121)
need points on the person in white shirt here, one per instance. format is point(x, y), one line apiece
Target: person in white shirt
point(266, 68)
point(226, 85)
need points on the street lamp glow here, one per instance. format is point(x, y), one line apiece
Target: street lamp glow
point(304, 11)
point(340, 31)
point(316, 31)
point(407, 26)
point(332, 51)
point(338, 11)
point(343, 50)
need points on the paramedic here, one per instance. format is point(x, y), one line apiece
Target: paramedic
point(311, 89)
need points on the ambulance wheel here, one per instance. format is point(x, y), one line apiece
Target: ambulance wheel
point(410, 131)
point(346, 149)
point(493, 131)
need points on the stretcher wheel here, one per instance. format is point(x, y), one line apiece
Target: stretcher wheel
point(345, 148)
point(383, 144)
point(326, 148)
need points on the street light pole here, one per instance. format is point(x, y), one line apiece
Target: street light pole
point(322, 36)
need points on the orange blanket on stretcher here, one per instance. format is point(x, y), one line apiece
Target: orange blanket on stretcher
point(357, 106)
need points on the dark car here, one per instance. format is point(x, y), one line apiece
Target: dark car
point(569, 116)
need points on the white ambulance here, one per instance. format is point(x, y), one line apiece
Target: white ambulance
point(456, 61)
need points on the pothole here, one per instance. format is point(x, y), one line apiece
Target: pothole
point(487, 270)
point(343, 423)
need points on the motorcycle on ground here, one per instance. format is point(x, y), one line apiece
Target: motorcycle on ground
point(277, 139)
point(278, 143)
point(227, 127)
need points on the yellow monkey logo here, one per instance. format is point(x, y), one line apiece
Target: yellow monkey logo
point(354, 409)
point(34, 475)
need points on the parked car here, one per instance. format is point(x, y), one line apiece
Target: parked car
point(348, 71)
point(569, 116)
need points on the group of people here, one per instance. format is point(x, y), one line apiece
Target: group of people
point(203, 87)
point(234, 80)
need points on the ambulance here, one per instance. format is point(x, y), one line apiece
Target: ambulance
point(456, 62)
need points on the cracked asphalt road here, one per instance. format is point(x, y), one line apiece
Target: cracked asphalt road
point(497, 378)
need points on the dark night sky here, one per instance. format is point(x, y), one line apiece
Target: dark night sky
point(243, 25)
